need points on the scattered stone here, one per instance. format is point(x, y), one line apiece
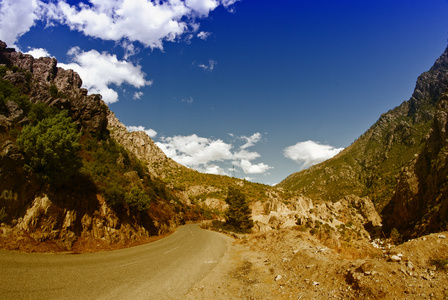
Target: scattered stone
point(278, 277)
point(442, 236)
point(395, 258)
point(315, 283)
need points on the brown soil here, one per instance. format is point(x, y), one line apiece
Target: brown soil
point(291, 264)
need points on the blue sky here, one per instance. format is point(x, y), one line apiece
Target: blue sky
point(265, 87)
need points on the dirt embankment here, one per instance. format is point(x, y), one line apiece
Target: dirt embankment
point(291, 264)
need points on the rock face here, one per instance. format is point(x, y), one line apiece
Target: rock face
point(140, 144)
point(89, 110)
point(420, 203)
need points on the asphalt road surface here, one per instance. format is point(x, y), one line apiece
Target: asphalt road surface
point(165, 269)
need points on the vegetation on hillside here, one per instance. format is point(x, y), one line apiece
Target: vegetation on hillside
point(65, 158)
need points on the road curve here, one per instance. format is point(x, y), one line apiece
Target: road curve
point(165, 269)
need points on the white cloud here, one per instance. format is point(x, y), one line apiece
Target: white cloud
point(150, 132)
point(99, 70)
point(17, 17)
point(194, 151)
point(137, 95)
point(250, 168)
point(208, 155)
point(149, 22)
point(310, 153)
point(188, 100)
point(202, 7)
point(210, 67)
point(252, 140)
point(204, 35)
point(38, 52)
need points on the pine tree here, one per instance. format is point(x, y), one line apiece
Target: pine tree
point(238, 214)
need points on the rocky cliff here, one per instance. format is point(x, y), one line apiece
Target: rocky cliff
point(420, 202)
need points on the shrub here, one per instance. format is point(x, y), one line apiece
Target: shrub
point(136, 198)
point(238, 214)
point(51, 148)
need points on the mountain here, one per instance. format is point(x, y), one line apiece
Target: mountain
point(370, 166)
point(65, 181)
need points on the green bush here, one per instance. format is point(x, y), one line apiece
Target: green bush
point(51, 148)
point(136, 198)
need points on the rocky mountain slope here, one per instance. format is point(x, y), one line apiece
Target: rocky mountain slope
point(420, 202)
point(110, 198)
point(370, 166)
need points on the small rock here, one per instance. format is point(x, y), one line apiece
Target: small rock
point(442, 236)
point(315, 283)
point(278, 277)
point(395, 258)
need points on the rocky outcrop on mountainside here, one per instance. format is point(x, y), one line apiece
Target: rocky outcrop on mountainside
point(370, 165)
point(88, 110)
point(140, 144)
point(420, 203)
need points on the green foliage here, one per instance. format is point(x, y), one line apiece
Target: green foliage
point(136, 198)
point(238, 214)
point(40, 111)
point(51, 148)
point(53, 91)
point(8, 92)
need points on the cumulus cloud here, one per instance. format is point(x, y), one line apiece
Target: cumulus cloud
point(206, 154)
point(17, 17)
point(310, 153)
point(203, 35)
point(99, 70)
point(137, 95)
point(38, 52)
point(250, 168)
point(148, 22)
point(252, 140)
point(210, 66)
point(150, 132)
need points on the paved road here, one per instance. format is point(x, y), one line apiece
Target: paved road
point(165, 269)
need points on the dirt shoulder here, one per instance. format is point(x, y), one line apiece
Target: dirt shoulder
point(290, 264)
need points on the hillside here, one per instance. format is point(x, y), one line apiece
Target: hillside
point(370, 166)
point(65, 182)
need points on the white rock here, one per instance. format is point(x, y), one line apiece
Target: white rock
point(442, 236)
point(395, 258)
point(278, 277)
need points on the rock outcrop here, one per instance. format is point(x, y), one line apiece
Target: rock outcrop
point(88, 110)
point(140, 144)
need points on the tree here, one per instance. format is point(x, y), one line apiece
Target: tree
point(238, 214)
point(51, 148)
